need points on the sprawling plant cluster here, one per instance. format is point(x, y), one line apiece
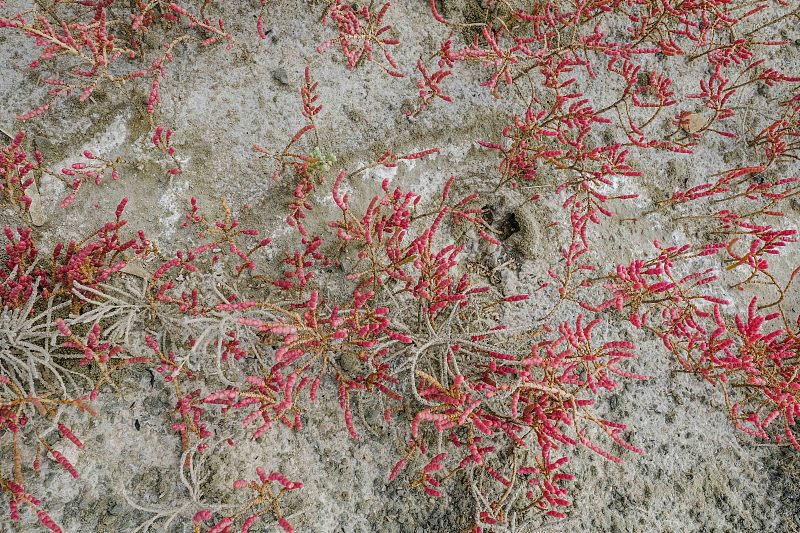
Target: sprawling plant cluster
point(370, 295)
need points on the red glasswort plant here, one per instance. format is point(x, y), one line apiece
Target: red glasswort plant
point(429, 88)
point(82, 49)
point(15, 173)
point(37, 392)
point(371, 298)
point(362, 34)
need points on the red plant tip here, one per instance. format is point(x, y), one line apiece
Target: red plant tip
point(63, 328)
point(65, 431)
point(121, 207)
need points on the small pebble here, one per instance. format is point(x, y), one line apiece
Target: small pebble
point(281, 76)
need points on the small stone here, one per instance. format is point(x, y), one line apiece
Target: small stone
point(349, 362)
point(281, 76)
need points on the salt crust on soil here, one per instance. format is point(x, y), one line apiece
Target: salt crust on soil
point(698, 473)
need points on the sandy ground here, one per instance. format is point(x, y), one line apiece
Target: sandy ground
point(698, 473)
